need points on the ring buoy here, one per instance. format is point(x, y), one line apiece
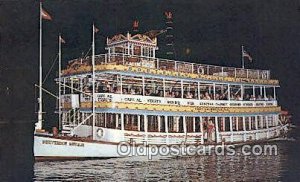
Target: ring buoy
point(264, 75)
point(100, 132)
point(201, 70)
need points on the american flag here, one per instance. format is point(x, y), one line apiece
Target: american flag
point(96, 29)
point(245, 54)
point(45, 14)
point(62, 40)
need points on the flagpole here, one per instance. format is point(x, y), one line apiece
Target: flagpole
point(40, 100)
point(93, 80)
point(59, 82)
point(243, 62)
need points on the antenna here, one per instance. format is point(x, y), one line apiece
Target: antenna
point(169, 35)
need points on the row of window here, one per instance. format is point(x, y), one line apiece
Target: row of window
point(175, 124)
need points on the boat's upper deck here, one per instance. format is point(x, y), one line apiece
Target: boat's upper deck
point(168, 65)
point(136, 53)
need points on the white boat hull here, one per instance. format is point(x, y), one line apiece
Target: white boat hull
point(55, 148)
point(47, 148)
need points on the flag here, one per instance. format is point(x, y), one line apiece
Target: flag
point(45, 15)
point(169, 14)
point(96, 29)
point(62, 40)
point(245, 54)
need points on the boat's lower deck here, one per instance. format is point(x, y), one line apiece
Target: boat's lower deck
point(66, 147)
point(170, 129)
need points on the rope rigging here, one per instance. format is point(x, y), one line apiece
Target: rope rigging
point(49, 71)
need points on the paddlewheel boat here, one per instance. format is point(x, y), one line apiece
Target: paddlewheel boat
point(130, 95)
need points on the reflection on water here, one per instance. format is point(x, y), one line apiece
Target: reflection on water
point(212, 168)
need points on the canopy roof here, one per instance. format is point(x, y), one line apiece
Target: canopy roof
point(137, 38)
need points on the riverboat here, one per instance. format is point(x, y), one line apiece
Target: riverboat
point(130, 95)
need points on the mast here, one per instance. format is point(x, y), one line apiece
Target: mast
point(93, 81)
point(40, 100)
point(169, 36)
point(59, 83)
point(243, 62)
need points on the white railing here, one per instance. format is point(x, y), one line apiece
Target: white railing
point(172, 65)
point(108, 97)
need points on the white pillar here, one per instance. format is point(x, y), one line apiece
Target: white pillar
point(276, 120)
point(146, 127)
point(223, 123)
point(121, 84)
point(201, 130)
point(158, 121)
point(194, 124)
point(128, 48)
point(109, 52)
point(217, 130)
point(122, 121)
point(132, 49)
point(242, 91)
point(117, 120)
point(231, 128)
point(265, 94)
point(139, 122)
point(71, 86)
point(143, 84)
point(184, 127)
point(260, 89)
point(214, 87)
point(166, 124)
point(229, 91)
point(256, 126)
point(250, 122)
point(274, 90)
point(244, 128)
point(199, 91)
point(166, 128)
point(153, 55)
point(64, 90)
point(181, 88)
point(164, 86)
point(267, 125)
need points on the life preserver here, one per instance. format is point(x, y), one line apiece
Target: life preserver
point(264, 75)
point(100, 133)
point(201, 70)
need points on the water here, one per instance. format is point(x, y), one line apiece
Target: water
point(282, 167)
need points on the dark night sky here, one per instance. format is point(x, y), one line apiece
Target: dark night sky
point(213, 30)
